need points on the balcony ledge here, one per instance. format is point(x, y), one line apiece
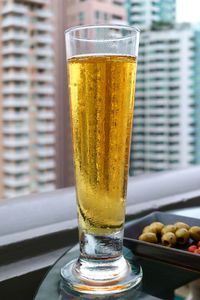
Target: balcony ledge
point(37, 229)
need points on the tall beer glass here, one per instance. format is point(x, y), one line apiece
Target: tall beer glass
point(102, 64)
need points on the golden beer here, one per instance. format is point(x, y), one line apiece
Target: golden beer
point(102, 97)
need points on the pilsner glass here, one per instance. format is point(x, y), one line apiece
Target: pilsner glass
point(102, 62)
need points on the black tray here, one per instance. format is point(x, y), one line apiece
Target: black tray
point(178, 256)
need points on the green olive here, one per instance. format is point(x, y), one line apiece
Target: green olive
point(148, 237)
point(179, 225)
point(168, 239)
point(182, 236)
point(149, 229)
point(157, 226)
point(168, 228)
point(194, 232)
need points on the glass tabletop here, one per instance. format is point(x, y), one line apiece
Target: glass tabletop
point(160, 280)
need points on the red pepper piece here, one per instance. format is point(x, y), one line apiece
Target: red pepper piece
point(192, 248)
point(197, 251)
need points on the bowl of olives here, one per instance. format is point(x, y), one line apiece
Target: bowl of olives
point(170, 235)
point(165, 237)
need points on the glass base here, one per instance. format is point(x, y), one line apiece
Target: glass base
point(101, 277)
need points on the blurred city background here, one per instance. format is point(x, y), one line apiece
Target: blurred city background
point(35, 144)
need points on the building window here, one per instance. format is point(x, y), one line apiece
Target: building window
point(115, 17)
point(97, 14)
point(32, 20)
point(117, 3)
point(81, 16)
point(32, 7)
point(105, 16)
point(33, 185)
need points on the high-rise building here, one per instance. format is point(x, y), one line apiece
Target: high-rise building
point(27, 147)
point(64, 160)
point(94, 11)
point(164, 125)
point(71, 13)
point(146, 13)
point(167, 11)
point(196, 92)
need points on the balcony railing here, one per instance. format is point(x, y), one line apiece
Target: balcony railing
point(44, 77)
point(157, 129)
point(16, 182)
point(15, 76)
point(42, 26)
point(44, 39)
point(45, 90)
point(12, 142)
point(47, 65)
point(46, 115)
point(117, 21)
point(46, 152)
point(162, 102)
point(47, 102)
point(20, 9)
point(158, 165)
point(40, 1)
point(44, 52)
point(10, 193)
point(157, 92)
point(156, 111)
point(19, 63)
point(14, 49)
point(14, 89)
point(137, 9)
point(15, 116)
point(47, 188)
point(47, 164)
point(43, 13)
point(14, 36)
point(17, 169)
point(49, 176)
point(46, 140)
point(16, 130)
point(45, 127)
point(158, 147)
point(136, 18)
point(16, 155)
point(157, 156)
point(12, 21)
point(9, 102)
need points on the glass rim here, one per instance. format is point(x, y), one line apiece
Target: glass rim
point(131, 29)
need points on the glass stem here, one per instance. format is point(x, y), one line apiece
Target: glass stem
point(101, 257)
point(101, 246)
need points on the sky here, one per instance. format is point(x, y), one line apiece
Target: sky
point(188, 10)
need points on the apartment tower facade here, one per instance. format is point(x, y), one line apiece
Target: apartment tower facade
point(70, 13)
point(166, 127)
point(27, 148)
point(146, 13)
point(163, 127)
